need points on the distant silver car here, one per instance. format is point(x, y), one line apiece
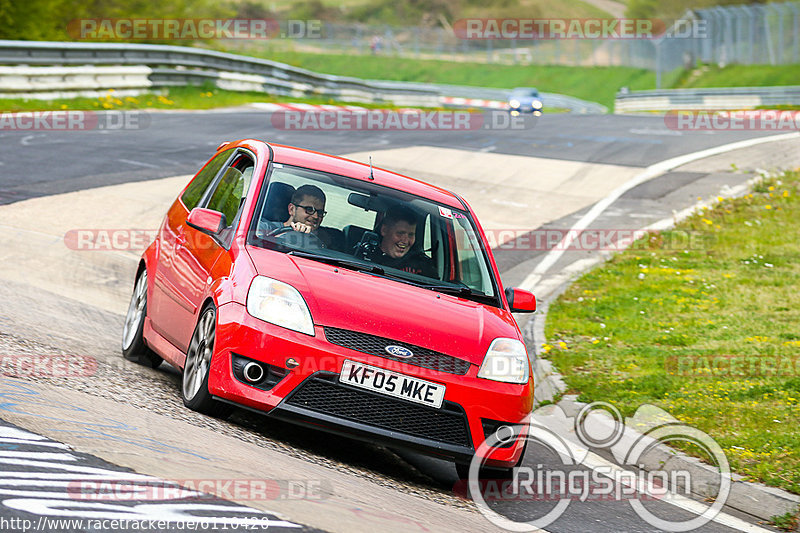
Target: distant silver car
point(525, 100)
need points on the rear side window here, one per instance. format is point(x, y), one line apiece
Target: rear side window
point(194, 192)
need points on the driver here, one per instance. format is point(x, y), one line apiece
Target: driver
point(398, 232)
point(306, 209)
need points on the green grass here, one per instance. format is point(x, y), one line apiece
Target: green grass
point(598, 84)
point(746, 76)
point(595, 84)
point(191, 97)
point(619, 333)
point(786, 522)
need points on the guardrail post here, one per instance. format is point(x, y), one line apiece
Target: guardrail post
point(657, 46)
point(767, 33)
point(779, 9)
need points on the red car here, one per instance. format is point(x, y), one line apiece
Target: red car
point(332, 294)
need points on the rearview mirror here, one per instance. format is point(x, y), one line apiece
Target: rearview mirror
point(520, 300)
point(206, 220)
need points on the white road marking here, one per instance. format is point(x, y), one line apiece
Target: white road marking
point(508, 203)
point(648, 173)
point(31, 442)
point(138, 163)
point(654, 131)
point(45, 456)
point(26, 141)
point(16, 433)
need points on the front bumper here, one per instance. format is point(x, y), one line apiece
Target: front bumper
point(310, 394)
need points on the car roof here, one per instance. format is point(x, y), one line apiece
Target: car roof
point(300, 157)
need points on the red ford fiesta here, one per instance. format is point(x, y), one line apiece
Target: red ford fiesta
point(327, 293)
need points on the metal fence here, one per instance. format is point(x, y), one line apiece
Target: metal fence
point(759, 34)
point(745, 34)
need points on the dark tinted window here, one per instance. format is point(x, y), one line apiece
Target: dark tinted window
point(194, 192)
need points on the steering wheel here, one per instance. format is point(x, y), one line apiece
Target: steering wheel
point(297, 238)
point(279, 231)
point(367, 246)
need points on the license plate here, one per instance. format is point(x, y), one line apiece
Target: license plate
point(392, 384)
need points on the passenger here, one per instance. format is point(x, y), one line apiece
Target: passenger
point(398, 232)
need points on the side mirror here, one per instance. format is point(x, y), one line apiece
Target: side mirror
point(206, 220)
point(520, 301)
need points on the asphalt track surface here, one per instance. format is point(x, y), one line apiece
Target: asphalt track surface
point(43, 163)
point(47, 162)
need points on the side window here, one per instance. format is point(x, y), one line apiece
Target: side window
point(231, 190)
point(471, 268)
point(194, 192)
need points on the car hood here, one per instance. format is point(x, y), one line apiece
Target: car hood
point(358, 301)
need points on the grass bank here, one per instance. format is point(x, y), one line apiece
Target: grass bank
point(192, 97)
point(744, 76)
point(707, 331)
point(596, 84)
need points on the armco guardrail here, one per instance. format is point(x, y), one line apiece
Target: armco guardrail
point(66, 82)
point(711, 98)
point(176, 65)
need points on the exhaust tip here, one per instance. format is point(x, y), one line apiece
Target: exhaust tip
point(253, 372)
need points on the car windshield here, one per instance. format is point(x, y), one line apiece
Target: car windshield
point(525, 92)
point(375, 229)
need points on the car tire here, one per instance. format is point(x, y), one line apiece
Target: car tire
point(134, 347)
point(194, 383)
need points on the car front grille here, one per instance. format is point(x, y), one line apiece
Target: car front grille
point(324, 394)
point(374, 345)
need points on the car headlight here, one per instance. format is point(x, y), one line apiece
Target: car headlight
point(537, 104)
point(514, 103)
point(506, 360)
point(279, 303)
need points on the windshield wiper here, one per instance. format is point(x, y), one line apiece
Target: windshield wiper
point(462, 291)
point(352, 265)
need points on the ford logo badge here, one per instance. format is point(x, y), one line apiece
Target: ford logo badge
point(398, 351)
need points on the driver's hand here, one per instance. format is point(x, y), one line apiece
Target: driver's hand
point(302, 228)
